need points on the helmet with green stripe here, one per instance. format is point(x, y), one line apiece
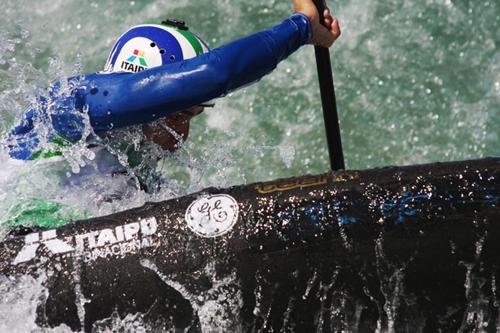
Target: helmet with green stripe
point(150, 45)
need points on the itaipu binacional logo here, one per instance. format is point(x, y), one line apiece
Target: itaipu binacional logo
point(212, 216)
point(108, 242)
point(131, 63)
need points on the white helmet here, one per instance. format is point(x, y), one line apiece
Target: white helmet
point(150, 45)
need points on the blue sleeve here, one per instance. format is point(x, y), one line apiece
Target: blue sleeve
point(123, 99)
point(145, 96)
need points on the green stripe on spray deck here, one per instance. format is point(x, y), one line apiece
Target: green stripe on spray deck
point(57, 141)
point(34, 212)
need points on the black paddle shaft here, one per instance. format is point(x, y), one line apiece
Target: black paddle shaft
point(328, 100)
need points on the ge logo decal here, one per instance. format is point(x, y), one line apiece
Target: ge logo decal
point(213, 215)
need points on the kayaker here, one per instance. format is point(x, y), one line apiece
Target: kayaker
point(156, 79)
point(172, 89)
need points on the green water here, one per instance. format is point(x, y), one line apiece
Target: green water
point(416, 82)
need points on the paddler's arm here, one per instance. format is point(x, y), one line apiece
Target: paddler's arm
point(157, 92)
point(148, 95)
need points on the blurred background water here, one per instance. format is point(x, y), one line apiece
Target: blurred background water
point(416, 82)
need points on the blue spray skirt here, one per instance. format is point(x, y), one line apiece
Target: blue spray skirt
point(398, 247)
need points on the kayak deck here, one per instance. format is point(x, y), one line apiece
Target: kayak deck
point(354, 250)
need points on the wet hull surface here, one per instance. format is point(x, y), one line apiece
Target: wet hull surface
point(399, 248)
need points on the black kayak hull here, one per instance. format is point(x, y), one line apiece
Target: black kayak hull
point(398, 248)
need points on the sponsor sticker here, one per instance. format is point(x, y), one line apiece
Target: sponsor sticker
point(213, 215)
point(137, 55)
point(305, 182)
point(119, 241)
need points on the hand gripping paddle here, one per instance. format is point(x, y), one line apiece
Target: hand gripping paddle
point(328, 100)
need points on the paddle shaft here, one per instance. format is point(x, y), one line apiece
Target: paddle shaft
point(328, 100)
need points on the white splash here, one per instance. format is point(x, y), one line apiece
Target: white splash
point(218, 307)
